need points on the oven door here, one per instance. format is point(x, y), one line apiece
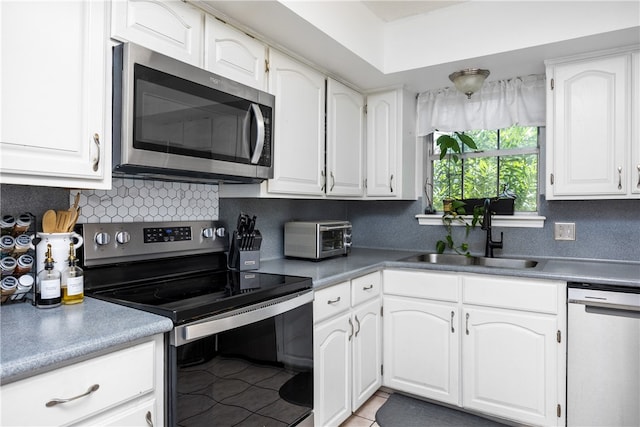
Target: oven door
point(253, 366)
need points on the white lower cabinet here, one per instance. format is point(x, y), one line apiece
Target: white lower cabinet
point(347, 348)
point(123, 388)
point(490, 344)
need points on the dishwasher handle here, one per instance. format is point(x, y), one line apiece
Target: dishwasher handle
point(629, 301)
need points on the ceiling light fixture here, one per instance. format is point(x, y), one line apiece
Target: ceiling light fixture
point(469, 81)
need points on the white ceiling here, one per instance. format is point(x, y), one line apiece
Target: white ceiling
point(389, 11)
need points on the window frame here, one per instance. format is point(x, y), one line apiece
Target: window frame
point(431, 156)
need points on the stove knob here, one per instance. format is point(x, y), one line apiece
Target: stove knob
point(102, 238)
point(123, 237)
point(207, 233)
point(220, 231)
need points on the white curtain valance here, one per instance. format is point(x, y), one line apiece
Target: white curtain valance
point(499, 104)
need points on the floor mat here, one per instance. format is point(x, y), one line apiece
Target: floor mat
point(400, 410)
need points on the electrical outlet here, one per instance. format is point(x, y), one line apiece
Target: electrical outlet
point(565, 230)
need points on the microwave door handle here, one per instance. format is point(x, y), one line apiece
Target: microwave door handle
point(260, 136)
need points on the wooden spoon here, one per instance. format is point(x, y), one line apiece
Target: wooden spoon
point(73, 218)
point(49, 221)
point(62, 220)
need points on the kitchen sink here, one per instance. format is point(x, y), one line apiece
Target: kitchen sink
point(505, 262)
point(448, 259)
point(453, 259)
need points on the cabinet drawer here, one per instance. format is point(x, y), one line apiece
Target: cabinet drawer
point(422, 284)
point(511, 293)
point(330, 301)
point(121, 376)
point(365, 288)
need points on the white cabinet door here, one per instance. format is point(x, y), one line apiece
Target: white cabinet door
point(421, 349)
point(635, 124)
point(53, 123)
point(367, 352)
point(233, 54)
point(332, 371)
point(382, 141)
point(345, 140)
point(170, 27)
point(299, 127)
point(589, 143)
point(509, 364)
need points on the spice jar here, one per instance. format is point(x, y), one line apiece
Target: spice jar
point(6, 224)
point(8, 265)
point(23, 222)
point(25, 283)
point(22, 245)
point(7, 245)
point(7, 287)
point(24, 264)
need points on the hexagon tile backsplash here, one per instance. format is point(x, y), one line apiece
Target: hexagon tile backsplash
point(133, 200)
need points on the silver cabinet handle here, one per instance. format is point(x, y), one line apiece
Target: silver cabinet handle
point(638, 184)
point(333, 301)
point(57, 401)
point(324, 181)
point(467, 325)
point(333, 181)
point(391, 183)
point(619, 177)
point(452, 328)
point(148, 419)
point(358, 322)
point(366, 288)
point(96, 160)
point(351, 324)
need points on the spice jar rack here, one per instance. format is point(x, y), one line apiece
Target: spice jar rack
point(18, 263)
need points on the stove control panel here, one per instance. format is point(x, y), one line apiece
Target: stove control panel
point(137, 241)
point(167, 234)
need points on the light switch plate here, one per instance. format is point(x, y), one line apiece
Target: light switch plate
point(564, 230)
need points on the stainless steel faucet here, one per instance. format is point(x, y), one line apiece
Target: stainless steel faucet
point(486, 225)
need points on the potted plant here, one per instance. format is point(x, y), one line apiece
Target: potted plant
point(454, 210)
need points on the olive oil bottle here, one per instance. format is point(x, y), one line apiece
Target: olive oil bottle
point(72, 280)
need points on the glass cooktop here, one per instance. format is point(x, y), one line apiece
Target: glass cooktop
point(191, 297)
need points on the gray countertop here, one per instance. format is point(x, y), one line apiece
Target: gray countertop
point(37, 340)
point(362, 261)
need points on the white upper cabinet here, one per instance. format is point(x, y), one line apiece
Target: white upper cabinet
point(590, 117)
point(345, 140)
point(54, 126)
point(391, 145)
point(298, 128)
point(171, 27)
point(233, 54)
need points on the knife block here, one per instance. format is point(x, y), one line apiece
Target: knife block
point(244, 256)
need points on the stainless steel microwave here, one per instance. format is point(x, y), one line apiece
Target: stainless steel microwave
point(172, 120)
point(317, 239)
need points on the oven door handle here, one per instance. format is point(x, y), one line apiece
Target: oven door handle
point(186, 333)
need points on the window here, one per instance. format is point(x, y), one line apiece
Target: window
point(505, 157)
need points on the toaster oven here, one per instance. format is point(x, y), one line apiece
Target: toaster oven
point(317, 239)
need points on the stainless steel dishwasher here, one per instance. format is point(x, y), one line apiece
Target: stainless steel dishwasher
point(603, 355)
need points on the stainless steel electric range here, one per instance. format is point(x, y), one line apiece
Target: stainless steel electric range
point(241, 350)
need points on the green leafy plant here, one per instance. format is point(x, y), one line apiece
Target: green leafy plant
point(451, 147)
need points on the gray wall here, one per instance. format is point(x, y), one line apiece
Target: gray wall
point(608, 229)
